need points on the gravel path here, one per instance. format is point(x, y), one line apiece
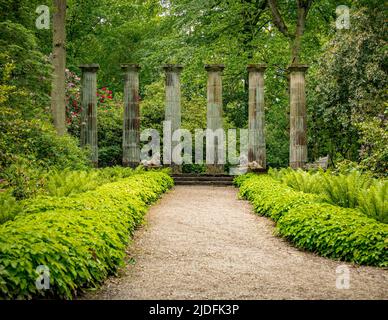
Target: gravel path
point(202, 242)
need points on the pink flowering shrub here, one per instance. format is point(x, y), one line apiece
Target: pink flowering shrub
point(73, 102)
point(110, 121)
point(105, 102)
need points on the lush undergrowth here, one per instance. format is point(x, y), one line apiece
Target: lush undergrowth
point(68, 182)
point(80, 239)
point(351, 190)
point(315, 225)
point(9, 207)
point(61, 184)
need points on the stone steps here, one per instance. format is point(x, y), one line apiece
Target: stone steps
point(206, 180)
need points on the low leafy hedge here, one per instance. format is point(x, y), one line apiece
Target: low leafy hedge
point(9, 207)
point(338, 233)
point(80, 239)
point(270, 198)
point(314, 225)
point(62, 183)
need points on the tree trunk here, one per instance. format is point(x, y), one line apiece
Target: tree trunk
point(303, 7)
point(58, 105)
point(297, 39)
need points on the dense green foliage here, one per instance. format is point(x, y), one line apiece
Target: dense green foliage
point(373, 201)
point(80, 239)
point(28, 148)
point(9, 207)
point(348, 110)
point(29, 145)
point(314, 225)
point(66, 183)
point(346, 80)
point(25, 70)
point(274, 199)
point(349, 190)
point(61, 184)
point(337, 233)
point(57, 211)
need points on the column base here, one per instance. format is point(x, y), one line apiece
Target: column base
point(132, 165)
point(176, 169)
point(215, 169)
point(297, 164)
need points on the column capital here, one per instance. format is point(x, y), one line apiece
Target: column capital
point(130, 67)
point(214, 67)
point(256, 67)
point(93, 67)
point(296, 67)
point(173, 68)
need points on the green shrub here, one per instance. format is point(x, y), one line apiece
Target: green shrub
point(345, 166)
point(9, 207)
point(340, 189)
point(65, 183)
point(351, 190)
point(303, 181)
point(336, 232)
point(31, 71)
point(314, 225)
point(193, 168)
point(344, 190)
point(58, 183)
point(110, 135)
point(271, 198)
point(29, 144)
point(69, 182)
point(239, 180)
point(374, 201)
point(80, 239)
point(115, 173)
point(25, 179)
point(29, 148)
point(277, 174)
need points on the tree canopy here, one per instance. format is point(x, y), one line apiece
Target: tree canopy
point(346, 78)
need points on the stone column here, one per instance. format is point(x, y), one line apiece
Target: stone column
point(214, 112)
point(89, 109)
point(131, 124)
point(256, 144)
point(173, 105)
point(298, 116)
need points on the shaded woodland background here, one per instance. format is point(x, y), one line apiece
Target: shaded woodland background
point(347, 79)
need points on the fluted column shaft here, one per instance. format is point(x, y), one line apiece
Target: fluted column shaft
point(214, 112)
point(256, 117)
point(131, 123)
point(173, 104)
point(298, 116)
point(89, 110)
